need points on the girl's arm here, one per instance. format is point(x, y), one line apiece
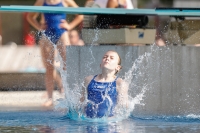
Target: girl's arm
point(122, 88)
point(83, 93)
point(77, 20)
point(84, 88)
point(32, 16)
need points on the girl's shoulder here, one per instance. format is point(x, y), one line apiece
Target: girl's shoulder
point(121, 83)
point(88, 79)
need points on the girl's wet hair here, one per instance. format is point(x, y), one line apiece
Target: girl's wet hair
point(119, 63)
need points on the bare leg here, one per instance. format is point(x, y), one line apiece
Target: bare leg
point(61, 46)
point(47, 52)
point(56, 74)
point(58, 80)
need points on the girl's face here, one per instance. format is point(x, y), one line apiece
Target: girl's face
point(110, 61)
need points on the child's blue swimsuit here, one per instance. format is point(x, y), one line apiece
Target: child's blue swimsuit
point(53, 20)
point(102, 98)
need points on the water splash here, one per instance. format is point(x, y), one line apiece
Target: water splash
point(142, 68)
point(75, 110)
point(145, 77)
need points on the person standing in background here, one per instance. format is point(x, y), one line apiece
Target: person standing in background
point(53, 33)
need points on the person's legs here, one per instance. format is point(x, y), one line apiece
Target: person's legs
point(58, 81)
point(47, 52)
point(61, 46)
point(56, 73)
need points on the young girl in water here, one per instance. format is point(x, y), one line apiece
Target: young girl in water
point(105, 92)
point(54, 33)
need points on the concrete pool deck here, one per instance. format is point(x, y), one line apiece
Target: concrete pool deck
point(25, 100)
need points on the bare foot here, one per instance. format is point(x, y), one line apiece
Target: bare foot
point(48, 103)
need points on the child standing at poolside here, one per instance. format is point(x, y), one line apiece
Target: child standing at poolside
point(54, 32)
point(105, 92)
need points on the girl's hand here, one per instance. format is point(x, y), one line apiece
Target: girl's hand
point(65, 25)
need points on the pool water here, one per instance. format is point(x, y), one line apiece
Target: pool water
point(57, 122)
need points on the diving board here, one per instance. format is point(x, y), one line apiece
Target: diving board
point(189, 12)
point(72, 10)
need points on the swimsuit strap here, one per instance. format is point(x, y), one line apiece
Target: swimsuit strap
point(116, 78)
point(94, 77)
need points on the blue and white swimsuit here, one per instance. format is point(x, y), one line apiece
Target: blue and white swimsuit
point(102, 99)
